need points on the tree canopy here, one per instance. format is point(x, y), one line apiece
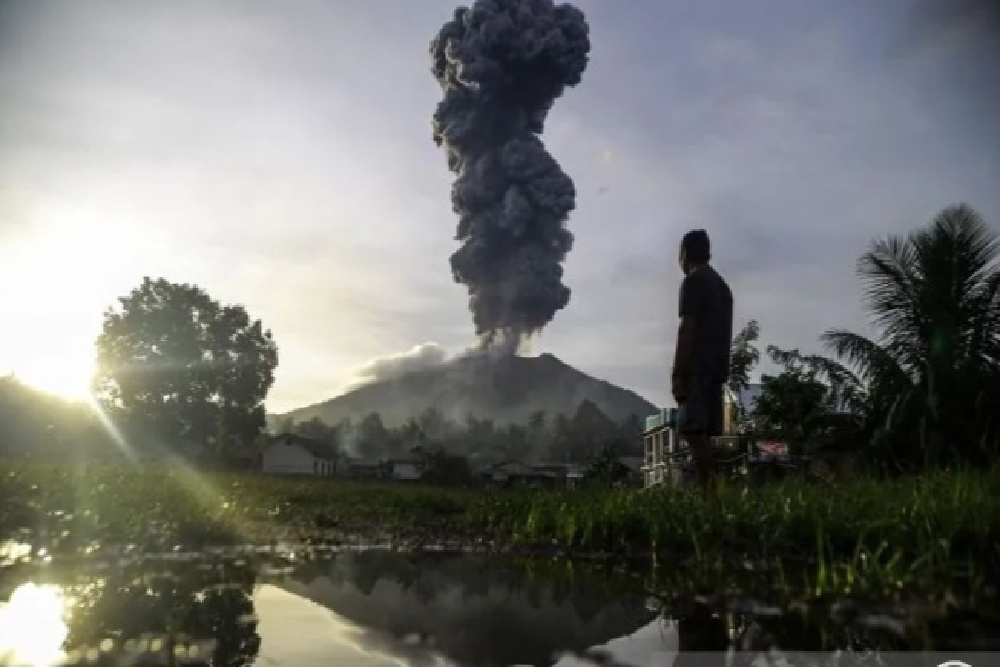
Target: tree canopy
point(931, 373)
point(175, 366)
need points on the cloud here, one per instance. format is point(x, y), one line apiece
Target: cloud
point(387, 367)
point(952, 24)
point(282, 158)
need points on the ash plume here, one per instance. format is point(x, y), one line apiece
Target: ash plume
point(963, 22)
point(501, 65)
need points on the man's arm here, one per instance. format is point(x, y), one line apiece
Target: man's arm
point(684, 351)
point(691, 301)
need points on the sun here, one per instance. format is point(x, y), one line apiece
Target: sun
point(60, 279)
point(33, 626)
point(66, 375)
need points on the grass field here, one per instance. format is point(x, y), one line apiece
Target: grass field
point(858, 535)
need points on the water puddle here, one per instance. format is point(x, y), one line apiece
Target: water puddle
point(283, 608)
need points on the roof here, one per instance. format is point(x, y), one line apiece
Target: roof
point(363, 463)
point(318, 448)
point(515, 468)
point(402, 458)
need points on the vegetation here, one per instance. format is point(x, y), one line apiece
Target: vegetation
point(174, 366)
point(921, 394)
point(580, 438)
point(177, 367)
point(926, 385)
point(918, 398)
point(854, 535)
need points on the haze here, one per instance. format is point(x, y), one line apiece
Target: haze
point(279, 155)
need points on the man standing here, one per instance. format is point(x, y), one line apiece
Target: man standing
point(701, 360)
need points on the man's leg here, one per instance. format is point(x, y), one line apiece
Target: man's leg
point(694, 424)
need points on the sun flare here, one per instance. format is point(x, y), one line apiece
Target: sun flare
point(66, 376)
point(60, 278)
point(33, 626)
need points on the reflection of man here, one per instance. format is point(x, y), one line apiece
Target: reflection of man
point(701, 360)
point(702, 640)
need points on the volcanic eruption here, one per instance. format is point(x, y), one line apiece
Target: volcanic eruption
point(501, 65)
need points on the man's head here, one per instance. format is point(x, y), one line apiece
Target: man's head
point(695, 250)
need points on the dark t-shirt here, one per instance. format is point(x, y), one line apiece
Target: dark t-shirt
point(707, 299)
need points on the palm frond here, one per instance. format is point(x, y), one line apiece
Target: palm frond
point(872, 361)
point(892, 285)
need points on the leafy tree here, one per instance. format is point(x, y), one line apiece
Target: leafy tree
point(537, 432)
point(805, 401)
point(589, 429)
point(179, 366)
point(481, 435)
point(514, 443)
point(744, 357)
point(559, 448)
point(790, 405)
point(628, 439)
point(606, 468)
point(433, 424)
point(932, 370)
point(372, 436)
point(446, 469)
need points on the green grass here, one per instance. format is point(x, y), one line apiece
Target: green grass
point(859, 536)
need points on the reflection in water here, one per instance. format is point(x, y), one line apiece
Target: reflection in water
point(702, 638)
point(470, 610)
point(376, 609)
point(143, 612)
point(33, 626)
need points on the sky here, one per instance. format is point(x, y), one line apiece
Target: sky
point(279, 155)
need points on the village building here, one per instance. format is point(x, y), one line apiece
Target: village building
point(409, 468)
point(359, 468)
point(291, 454)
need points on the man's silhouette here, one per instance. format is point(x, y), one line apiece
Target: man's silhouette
point(701, 360)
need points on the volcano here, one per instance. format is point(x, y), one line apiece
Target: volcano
point(506, 389)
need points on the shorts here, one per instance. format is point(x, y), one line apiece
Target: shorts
point(701, 413)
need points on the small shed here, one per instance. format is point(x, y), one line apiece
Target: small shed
point(405, 468)
point(292, 454)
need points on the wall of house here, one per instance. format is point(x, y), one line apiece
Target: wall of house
point(292, 459)
point(401, 470)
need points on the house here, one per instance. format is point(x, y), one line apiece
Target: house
point(291, 454)
point(359, 468)
point(667, 457)
point(404, 468)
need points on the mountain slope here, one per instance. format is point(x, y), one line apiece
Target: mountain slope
point(506, 390)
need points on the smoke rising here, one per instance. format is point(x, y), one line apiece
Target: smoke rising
point(961, 22)
point(501, 65)
point(391, 366)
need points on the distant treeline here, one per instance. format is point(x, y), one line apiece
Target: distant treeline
point(578, 438)
point(38, 424)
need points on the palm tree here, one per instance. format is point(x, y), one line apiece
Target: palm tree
point(933, 371)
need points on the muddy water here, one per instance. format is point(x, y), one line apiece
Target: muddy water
point(379, 608)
